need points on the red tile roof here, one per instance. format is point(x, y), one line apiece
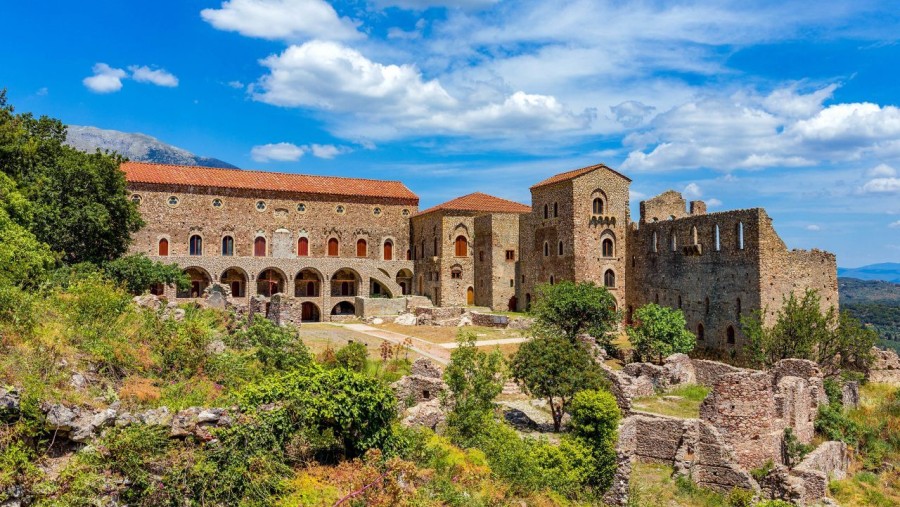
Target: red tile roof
point(480, 202)
point(162, 174)
point(569, 175)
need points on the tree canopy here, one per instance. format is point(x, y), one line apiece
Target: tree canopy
point(474, 378)
point(570, 309)
point(659, 331)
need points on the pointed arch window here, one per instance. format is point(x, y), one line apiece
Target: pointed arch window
point(729, 335)
point(555, 210)
point(546, 211)
point(163, 248)
point(559, 249)
point(609, 278)
point(462, 246)
point(608, 248)
point(546, 249)
point(196, 245)
point(598, 206)
point(303, 247)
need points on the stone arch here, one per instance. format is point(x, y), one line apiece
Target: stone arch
point(344, 308)
point(404, 280)
point(379, 288)
point(598, 202)
point(270, 281)
point(309, 312)
point(608, 243)
point(200, 280)
point(345, 283)
point(236, 279)
point(308, 283)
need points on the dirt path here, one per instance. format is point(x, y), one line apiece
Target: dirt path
point(423, 347)
point(485, 343)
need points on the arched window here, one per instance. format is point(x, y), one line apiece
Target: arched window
point(196, 245)
point(718, 243)
point(462, 246)
point(555, 210)
point(333, 247)
point(361, 248)
point(694, 235)
point(546, 211)
point(259, 247)
point(456, 273)
point(656, 299)
point(598, 206)
point(729, 335)
point(163, 247)
point(303, 247)
point(679, 301)
point(673, 240)
point(740, 235)
point(422, 251)
point(609, 278)
point(654, 243)
point(546, 249)
point(559, 249)
point(389, 250)
point(700, 332)
point(228, 246)
point(408, 254)
point(608, 250)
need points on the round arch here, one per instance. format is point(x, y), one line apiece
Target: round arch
point(270, 281)
point(309, 312)
point(404, 280)
point(200, 280)
point(236, 279)
point(345, 282)
point(344, 308)
point(308, 283)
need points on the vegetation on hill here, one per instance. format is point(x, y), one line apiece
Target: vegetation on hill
point(876, 304)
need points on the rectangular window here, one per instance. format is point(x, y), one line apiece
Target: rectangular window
point(510, 255)
point(512, 283)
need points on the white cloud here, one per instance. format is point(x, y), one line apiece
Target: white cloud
point(106, 79)
point(159, 77)
point(713, 203)
point(692, 191)
point(290, 20)
point(387, 100)
point(894, 225)
point(881, 170)
point(42, 92)
point(279, 152)
point(237, 85)
point(327, 151)
point(882, 186)
point(631, 113)
point(813, 228)
point(421, 5)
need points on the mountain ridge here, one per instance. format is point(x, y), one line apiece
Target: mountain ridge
point(885, 271)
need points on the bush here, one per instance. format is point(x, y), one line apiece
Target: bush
point(474, 378)
point(569, 309)
point(659, 332)
point(277, 348)
point(137, 273)
point(352, 356)
point(595, 419)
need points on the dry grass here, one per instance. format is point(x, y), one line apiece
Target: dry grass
point(653, 486)
point(683, 401)
point(320, 336)
point(440, 334)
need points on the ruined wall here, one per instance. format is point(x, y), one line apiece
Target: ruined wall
point(495, 274)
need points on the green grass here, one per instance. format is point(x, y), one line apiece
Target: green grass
point(682, 401)
point(652, 485)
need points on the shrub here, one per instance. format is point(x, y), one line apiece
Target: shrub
point(352, 356)
point(659, 332)
point(277, 348)
point(137, 273)
point(794, 450)
point(569, 309)
point(595, 418)
point(474, 378)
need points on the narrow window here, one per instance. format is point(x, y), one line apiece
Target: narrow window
point(163, 247)
point(729, 334)
point(737, 309)
point(408, 254)
point(679, 302)
point(673, 239)
point(740, 235)
point(196, 245)
point(656, 299)
point(654, 243)
point(609, 278)
point(303, 247)
point(510, 255)
point(555, 210)
point(456, 273)
point(551, 280)
point(361, 250)
point(598, 206)
point(718, 244)
point(227, 246)
point(481, 255)
point(388, 250)
point(608, 248)
point(633, 260)
point(706, 306)
point(333, 247)
point(546, 249)
point(462, 246)
point(700, 332)
point(434, 247)
point(259, 247)
point(559, 249)
point(694, 235)
point(546, 211)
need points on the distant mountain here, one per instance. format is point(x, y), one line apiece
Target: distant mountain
point(887, 271)
point(137, 147)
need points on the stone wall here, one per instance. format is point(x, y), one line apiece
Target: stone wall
point(380, 307)
point(495, 273)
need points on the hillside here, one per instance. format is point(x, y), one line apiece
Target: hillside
point(886, 271)
point(876, 303)
point(136, 146)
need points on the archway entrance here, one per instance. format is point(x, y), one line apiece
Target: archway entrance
point(270, 282)
point(344, 283)
point(200, 280)
point(344, 308)
point(236, 280)
point(470, 296)
point(309, 312)
point(404, 280)
point(307, 284)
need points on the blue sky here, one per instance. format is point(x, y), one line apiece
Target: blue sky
point(791, 106)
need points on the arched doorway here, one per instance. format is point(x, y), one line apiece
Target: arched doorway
point(344, 308)
point(307, 284)
point(344, 282)
point(404, 280)
point(236, 279)
point(513, 304)
point(388, 250)
point(200, 280)
point(527, 302)
point(470, 296)
point(269, 282)
point(378, 289)
point(701, 335)
point(309, 312)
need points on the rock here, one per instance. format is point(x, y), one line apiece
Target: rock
point(850, 394)
point(9, 404)
point(465, 320)
point(148, 301)
point(184, 422)
point(210, 416)
point(680, 369)
point(59, 417)
point(406, 319)
point(519, 420)
point(377, 321)
point(178, 314)
point(126, 418)
point(215, 347)
point(216, 300)
point(429, 414)
point(157, 417)
point(77, 381)
point(426, 368)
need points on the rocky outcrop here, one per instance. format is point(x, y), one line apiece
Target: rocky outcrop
point(419, 394)
point(9, 405)
point(885, 367)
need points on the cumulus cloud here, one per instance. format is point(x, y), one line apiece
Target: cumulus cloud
point(387, 99)
point(813, 228)
point(631, 113)
point(421, 5)
point(692, 191)
point(882, 186)
point(881, 170)
point(278, 152)
point(290, 20)
point(713, 203)
point(894, 225)
point(159, 77)
point(327, 151)
point(106, 79)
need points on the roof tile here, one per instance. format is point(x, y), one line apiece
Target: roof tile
point(480, 202)
point(142, 172)
point(569, 175)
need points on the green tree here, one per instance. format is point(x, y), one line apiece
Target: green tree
point(352, 356)
point(24, 261)
point(595, 419)
point(137, 273)
point(659, 332)
point(474, 378)
point(556, 369)
point(277, 348)
point(836, 341)
point(80, 206)
point(570, 309)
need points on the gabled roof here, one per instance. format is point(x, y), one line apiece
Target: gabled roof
point(569, 175)
point(480, 202)
point(190, 176)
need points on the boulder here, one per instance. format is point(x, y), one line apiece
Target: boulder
point(58, 417)
point(157, 417)
point(9, 404)
point(377, 321)
point(850, 394)
point(406, 319)
point(680, 369)
point(148, 301)
point(426, 368)
point(429, 414)
point(184, 422)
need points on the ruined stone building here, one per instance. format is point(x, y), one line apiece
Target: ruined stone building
point(324, 241)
